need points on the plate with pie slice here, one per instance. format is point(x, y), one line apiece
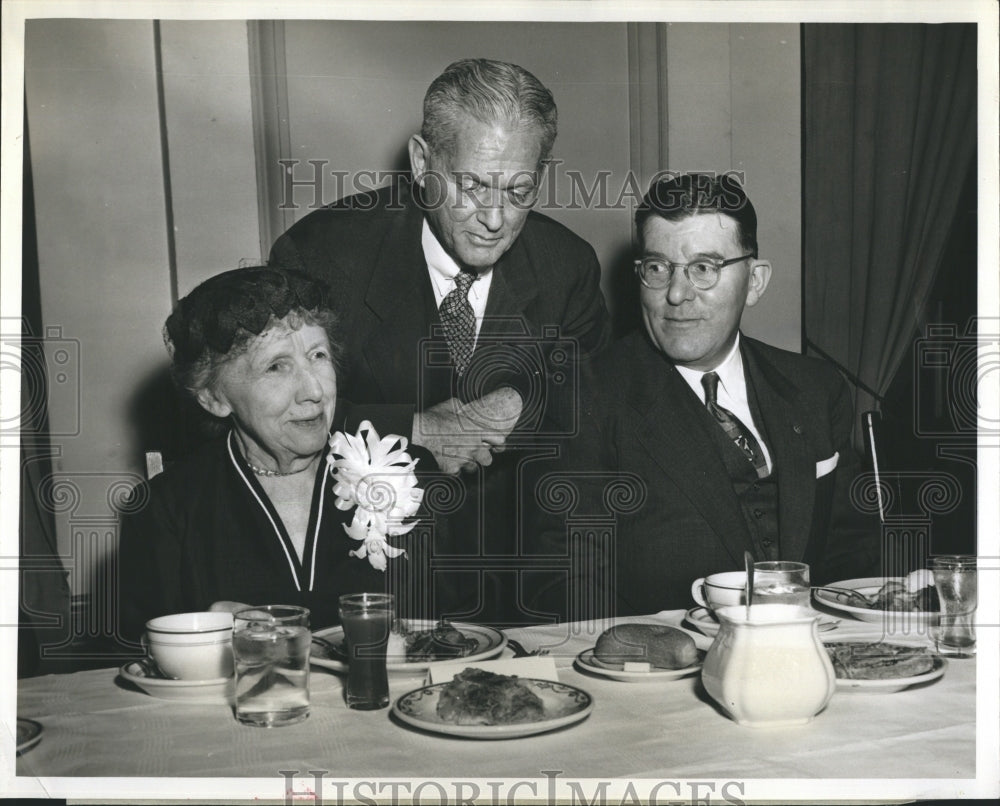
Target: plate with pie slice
point(517, 707)
point(880, 667)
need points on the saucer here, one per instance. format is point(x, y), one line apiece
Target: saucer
point(701, 618)
point(616, 671)
point(218, 690)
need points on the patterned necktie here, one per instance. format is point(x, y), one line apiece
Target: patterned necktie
point(737, 432)
point(459, 321)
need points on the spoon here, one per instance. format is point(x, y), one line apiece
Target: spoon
point(748, 561)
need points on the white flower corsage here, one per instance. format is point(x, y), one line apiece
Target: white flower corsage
point(370, 475)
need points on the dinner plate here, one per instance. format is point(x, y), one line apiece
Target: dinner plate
point(29, 733)
point(616, 671)
point(868, 586)
point(218, 690)
point(563, 705)
point(893, 684)
point(701, 618)
point(329, 652)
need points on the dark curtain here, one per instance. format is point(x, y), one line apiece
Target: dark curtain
point(890, 134)
point(44, 602)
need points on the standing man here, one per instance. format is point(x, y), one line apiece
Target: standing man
point(462, 311)
point(731, 445)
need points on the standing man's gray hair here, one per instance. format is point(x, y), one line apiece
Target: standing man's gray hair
point(491, 92)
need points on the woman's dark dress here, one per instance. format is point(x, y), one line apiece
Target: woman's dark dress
point(205, 531)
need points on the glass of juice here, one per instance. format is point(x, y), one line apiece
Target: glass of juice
point(367, 620)
point(271, 656)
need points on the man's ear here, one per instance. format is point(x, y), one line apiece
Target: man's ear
point(760, 276)
point(214, 403)
point(420, 154)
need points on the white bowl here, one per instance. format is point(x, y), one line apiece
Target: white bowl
point(192, 646)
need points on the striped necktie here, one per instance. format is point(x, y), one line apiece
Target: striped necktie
point(459, 321)
point(737, 432)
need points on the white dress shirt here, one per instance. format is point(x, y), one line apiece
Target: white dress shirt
point(442, 269)
point(732, 392)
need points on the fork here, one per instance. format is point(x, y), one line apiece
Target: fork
point(520, 652)
point(853, 597)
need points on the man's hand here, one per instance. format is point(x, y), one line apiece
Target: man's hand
point(462, 436)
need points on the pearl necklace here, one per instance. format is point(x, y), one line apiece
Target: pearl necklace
point(263, 471)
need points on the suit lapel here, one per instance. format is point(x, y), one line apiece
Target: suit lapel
point(673, 432)
point(787, 425)
point(398, 296)
point(512, 287)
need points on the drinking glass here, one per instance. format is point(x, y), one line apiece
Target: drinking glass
point(781, 582)
point(271, 654)
point(367, 620)
point(955, 578)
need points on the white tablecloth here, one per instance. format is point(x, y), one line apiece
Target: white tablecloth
point(96, 726)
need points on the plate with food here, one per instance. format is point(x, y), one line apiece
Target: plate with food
point(642, 653)
point(414, 645)
point(29, 733)
point(881, 666)
point(907, 601)
point(143, 674)
point(478, 704)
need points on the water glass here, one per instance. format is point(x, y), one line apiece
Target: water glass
point(367, 620)
point(955, 578)
point(271, 654)
point(781, 582)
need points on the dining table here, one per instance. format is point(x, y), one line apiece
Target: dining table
point(666, 735)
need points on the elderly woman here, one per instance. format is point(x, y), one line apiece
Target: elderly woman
point(250, 518)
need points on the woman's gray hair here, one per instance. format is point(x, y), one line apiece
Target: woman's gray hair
point(219, 319)
point(491, 92)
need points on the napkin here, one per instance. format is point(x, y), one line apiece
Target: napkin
point(539, 667)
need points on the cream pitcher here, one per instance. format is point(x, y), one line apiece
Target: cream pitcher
point(769, 669)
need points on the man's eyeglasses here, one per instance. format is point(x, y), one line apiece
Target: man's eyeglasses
point(485, 195)
point(703, 274)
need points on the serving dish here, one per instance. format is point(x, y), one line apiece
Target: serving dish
point(563, 705)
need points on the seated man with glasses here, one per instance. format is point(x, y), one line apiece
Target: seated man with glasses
point(701, 442)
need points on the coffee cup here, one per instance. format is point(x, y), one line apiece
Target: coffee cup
point(720, 590)
point(191, 646)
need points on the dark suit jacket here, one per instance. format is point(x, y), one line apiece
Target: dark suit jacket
point(544, 307)
point(645, 457)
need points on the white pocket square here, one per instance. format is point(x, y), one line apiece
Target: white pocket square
point(827, 465)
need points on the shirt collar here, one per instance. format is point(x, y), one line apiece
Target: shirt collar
point(443, 267)
point(730, 371)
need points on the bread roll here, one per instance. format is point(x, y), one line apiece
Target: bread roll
point(663, 647)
